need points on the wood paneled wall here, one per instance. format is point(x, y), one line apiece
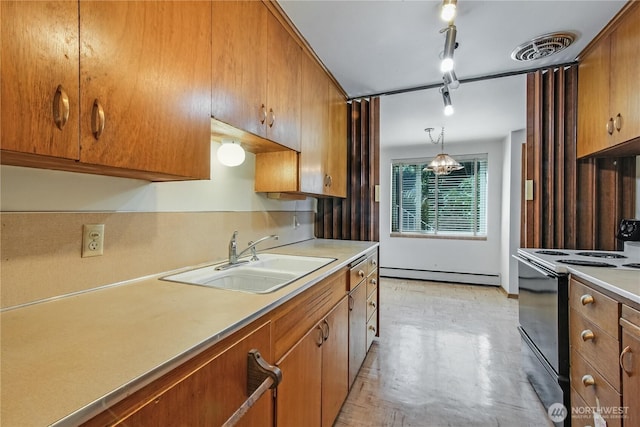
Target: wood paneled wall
point(577, 204)
point(357, 216)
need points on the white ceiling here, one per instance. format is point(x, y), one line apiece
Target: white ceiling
point(380, 46)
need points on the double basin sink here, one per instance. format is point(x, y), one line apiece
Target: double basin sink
point(267, 274)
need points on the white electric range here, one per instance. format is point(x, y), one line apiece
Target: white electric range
point(559, 260)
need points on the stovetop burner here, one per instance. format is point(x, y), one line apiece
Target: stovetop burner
point(601, 255)
point(632, 265)
point(554, 253)
point(585, 263)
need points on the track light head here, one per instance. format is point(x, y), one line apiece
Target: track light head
point(451, 80)
point(448, 11)
point(446, 99)
point(449, 46)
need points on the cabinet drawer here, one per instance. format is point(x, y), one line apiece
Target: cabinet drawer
point(294, 319)
point(581, 415)
point(372, 283)
point(601, 350)
point(581, 373)
point(372, 304)
point(372, 328)
point(595, 306)
point(357, 274)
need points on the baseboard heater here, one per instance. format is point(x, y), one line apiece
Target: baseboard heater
point(441, 276)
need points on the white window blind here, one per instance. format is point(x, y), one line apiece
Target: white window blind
point(454, 204)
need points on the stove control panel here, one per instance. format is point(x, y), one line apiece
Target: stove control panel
point(629, 230)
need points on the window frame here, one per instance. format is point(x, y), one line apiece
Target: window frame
point(436, 234)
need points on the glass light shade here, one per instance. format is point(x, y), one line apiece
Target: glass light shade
point(448, 11)
point(443, 164)
point(231, 154)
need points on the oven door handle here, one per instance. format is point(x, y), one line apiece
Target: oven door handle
point(535, 267)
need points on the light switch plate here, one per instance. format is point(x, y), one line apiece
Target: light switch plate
point(528, 189)
point(92, 240)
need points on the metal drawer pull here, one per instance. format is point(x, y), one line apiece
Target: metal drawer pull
point(263, 114)
point(372, 304)
point(326, 336)
point(272, 117)
point(60, 107)
point(97, 119)
point(587, 334)
point(586, 299)
point(372, 328)
point(618, 122)
point(588, 380)
point(328, 180)
point(373, 281)
point(627, 350)
point(321, 340)
point(374, 262)
point(351, 303)
point(261, 377)
point(361, 273)
point(610, 126)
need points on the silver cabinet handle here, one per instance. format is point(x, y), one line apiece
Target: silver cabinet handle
point(618, 122)
point(627, 350)
point(351, 303)
point(97, 119)
point(610, 126)
point(587, 335)
point(263, 114)
point(60, 107)
point(361, 273)
point(373, 281)
point(587, 299)
point(272, 117)
point(328, 180)
point(588, 380)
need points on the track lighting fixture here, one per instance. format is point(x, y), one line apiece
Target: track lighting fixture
point(446, 98)
point(448, 11)
point(449, 46)
point(451, 80)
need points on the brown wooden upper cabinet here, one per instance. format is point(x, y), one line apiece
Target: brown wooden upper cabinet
point(255, 72)
point(40, 67)
point(321, 166)
point(142, 106)
point(609, 87)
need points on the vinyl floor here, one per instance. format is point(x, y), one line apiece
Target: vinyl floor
point(448, 355)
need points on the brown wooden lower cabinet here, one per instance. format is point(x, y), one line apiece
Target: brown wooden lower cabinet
point(314, 371)
point(630, 364)
point(205, 392)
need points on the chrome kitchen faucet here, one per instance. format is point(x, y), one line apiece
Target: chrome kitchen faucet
point(233, 250)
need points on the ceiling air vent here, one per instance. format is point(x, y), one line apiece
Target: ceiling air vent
point(543, 46)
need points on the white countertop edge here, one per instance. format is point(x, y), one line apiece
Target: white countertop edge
point(97, 406)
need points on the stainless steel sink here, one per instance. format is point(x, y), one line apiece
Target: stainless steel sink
point(268, 274)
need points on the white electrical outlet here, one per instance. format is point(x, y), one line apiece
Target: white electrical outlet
point(92, 240)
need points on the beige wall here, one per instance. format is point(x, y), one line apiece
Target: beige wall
point(41, 250)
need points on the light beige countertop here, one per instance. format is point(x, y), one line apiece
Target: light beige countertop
point(64, 361)
point(625, 283)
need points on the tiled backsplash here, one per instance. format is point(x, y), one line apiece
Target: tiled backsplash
point(41, 251)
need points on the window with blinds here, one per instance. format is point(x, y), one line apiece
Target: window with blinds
point(449, 205)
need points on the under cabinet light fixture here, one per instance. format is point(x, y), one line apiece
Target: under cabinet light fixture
point(448, 11)
point(231, 153)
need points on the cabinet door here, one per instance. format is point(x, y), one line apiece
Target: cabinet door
point(148, 65)
point(315, 120)
point(357, 329)
point(239, 66)
point(625, 77)
point(630, 361)
point(335, 363)
point(283, 85)
point(298, 401)
point(336, 151)
point(39, 47)
point(211, 394)
point(593, 100)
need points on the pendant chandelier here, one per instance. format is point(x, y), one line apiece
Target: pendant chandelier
point(443, 164)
